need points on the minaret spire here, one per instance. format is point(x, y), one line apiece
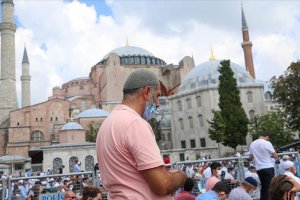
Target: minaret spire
point(8, 93)
point(25, 80)
point(244, 21)
point(247, 46)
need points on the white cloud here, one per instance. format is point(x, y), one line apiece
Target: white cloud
point(65, 39)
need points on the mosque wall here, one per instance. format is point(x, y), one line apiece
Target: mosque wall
point(71, 136)
point(66, 154)
point(190, 112)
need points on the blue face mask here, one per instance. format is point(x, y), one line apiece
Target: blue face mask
point(149, 112)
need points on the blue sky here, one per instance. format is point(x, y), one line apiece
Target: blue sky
point(66, 38)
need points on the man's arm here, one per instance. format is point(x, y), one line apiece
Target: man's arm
point(275, 155)
point(251, 157)
point(164, 182)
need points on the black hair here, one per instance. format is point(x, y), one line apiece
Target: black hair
point(221, 186)
point(214, 165)
point(188, 185)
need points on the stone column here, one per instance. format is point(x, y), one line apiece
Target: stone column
point(8, 94)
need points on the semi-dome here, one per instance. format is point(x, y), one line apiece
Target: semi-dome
point(134, 55)
point(206, 75)
point(71, 126)
point(92, 113)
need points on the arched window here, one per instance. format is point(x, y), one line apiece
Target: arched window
point(89, 163)
point(181, 123)
point(57, 163)
point(37, 136)
point(251, 115)
point(169, 136)
point(198, 101)
point(72, 162)
point(191, 122)
point(143, 60)
point(179, 105)
point(189, 103)
point(268, 96)
point(250, 97)
point(82, 105)
point(200, 118)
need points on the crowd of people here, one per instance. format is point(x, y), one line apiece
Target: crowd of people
point(32, 188)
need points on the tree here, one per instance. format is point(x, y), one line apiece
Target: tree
point(232, 112)
point(91, 133)
point(287, 93)
point(275, 122)
point(216, 128)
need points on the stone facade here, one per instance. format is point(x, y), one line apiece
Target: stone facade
point(67, 154)
point(192, 107)
point(35, 126)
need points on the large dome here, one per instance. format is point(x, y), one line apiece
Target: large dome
point(206, 75)
point(130, 55)
point(129, 51)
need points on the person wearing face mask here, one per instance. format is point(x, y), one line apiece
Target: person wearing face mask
point(129, 159)
point(290, 170)
point(215, 175)
point(244, 190)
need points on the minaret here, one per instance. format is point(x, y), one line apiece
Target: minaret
point(8, 94)
point(247, 47)
point(25, 80)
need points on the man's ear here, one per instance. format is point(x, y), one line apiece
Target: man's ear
point(146, 92)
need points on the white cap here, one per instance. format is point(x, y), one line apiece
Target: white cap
point(44, 182)
point(51, 179)
point(288, 164)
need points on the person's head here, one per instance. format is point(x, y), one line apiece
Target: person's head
point(91, 193)
point(69, 195)
point(252, 168)
point(249, 184)
point(279, 188)
point(222, 189)
point(141, 91)
point(216, 168)
point(188, 185)
point(285, 157)
point(264, 134)
point(289, 166)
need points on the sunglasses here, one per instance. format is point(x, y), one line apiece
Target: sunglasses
point(69, 198)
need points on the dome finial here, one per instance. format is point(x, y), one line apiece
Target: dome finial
point(126, 45)
point(212, 56)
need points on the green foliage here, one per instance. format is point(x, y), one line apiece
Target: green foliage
point(91, 133)
point(232, 112)
point(216, 127)
point(156, 128)
point(275, 123)
point(287, 93)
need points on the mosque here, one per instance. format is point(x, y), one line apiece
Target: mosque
point(52, 133)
